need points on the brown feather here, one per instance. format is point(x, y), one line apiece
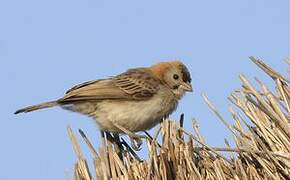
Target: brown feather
point(37, 107)
point(134, 84)
point(139, 83)
point(160, 69)
point(94, 90)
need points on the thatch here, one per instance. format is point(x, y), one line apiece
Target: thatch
point(261, 133)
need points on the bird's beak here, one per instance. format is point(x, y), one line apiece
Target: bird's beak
point(186, 87)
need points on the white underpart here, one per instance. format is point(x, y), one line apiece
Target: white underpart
point(132, 115)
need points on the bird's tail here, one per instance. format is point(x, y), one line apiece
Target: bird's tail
point(37, 107)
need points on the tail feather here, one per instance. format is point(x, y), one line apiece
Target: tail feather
point(37, 107)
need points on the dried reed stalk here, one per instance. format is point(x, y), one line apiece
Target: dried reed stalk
point(261, 132)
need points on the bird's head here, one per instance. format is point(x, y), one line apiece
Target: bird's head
point(175, 75)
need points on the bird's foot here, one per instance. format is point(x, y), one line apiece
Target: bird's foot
point(136, 143)
point(136, 139)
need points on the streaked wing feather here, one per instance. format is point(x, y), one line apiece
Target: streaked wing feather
point(134, 84)
point(94, 90)
point(138, 82)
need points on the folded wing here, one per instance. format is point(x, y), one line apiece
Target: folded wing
point(134, 84)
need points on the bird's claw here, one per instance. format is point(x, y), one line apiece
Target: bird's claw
point(136, 143)
point(136, 139)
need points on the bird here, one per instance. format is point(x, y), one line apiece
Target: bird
point(135, 100)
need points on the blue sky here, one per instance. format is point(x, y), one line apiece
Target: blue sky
point(48, 46)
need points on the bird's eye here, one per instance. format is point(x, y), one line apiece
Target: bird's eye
point(175, 76)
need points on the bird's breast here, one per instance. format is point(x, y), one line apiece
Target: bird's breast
point(134, 115)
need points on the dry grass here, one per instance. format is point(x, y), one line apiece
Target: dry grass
point(261, 132)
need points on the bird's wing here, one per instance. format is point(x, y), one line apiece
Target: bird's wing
point(138, 83)
point(83, 85)
point(135, 84)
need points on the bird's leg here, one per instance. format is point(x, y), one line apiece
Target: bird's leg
point(136, 140)
point(136, 143)
point(113, 140)
point(116, 138)
point(118, 145)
